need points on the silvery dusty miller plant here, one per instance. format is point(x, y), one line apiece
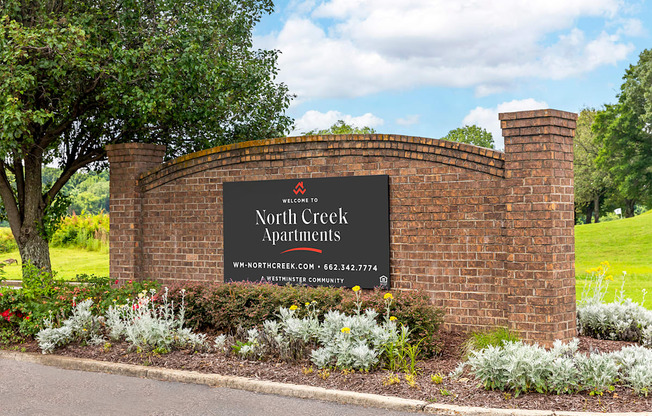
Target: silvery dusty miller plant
point(523, 368)
point(146, 324)
point(622, 320)
point(81, 325)
point(344, 341)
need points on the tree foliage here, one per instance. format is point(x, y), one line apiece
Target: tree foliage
point(625, 132)
point(77, 75)
point(340, 127)
point(592, 182)
point(472, 135)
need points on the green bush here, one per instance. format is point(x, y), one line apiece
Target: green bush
point(225, 307)
point(7, 242)
point(88, 232)
point(25, 309)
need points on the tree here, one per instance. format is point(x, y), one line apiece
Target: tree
point(591, 181)
point(471, 135)
point(78, 75)
point(340, 128)
point(90, 195)
point(625, 132)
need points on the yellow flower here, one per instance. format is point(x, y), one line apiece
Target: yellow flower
point(610, 277)
point(307, 303)
point(388, 296)
point(392, 318)
point(294, 307)
point(605, 263)
point(355, 288)
point(346, 330)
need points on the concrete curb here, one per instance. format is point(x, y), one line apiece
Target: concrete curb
point(281, 389)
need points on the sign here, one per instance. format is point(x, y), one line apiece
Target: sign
point(317, 232)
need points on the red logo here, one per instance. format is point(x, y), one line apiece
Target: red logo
point(299, 188)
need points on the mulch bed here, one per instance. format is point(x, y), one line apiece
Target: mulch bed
point(462, 392)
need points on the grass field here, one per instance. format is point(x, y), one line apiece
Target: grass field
point(626, 244)
point(67, 262)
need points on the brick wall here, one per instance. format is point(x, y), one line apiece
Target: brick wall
point(539, 222)
point(487, 235)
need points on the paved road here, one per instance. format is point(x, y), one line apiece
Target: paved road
point(34, 389)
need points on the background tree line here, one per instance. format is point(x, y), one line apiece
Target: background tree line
point(613, 150)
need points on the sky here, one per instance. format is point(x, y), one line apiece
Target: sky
point(425, 67)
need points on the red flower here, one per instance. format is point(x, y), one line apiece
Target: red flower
point(116, 281)
point(7, 315)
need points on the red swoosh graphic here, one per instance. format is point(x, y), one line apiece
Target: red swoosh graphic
point(316, 250)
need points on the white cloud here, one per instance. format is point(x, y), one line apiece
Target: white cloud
point(350, 48)
point(408, 120)
point(487, 118)
point(315, 120)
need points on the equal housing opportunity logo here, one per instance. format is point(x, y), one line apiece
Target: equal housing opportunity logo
point(328, 231)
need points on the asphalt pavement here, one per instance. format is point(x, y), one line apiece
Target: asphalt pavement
point(33, 389)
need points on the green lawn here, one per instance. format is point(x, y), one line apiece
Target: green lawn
point(626, 244)
point(68, 263)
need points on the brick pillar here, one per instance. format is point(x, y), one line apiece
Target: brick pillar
point(127, 161)
point(540, 241)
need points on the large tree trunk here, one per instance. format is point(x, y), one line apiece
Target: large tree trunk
point(589, 213)
point(25, 206)
point(596, 209)
point(32, 243)
point(33, 247)
point(630, 205)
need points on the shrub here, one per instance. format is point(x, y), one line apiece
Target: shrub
point(621, 320)
point(224, 307)
point(81, 326)
point(151, 323)
point(87, 232)
point(42, 294)
point(523, 368)
point(144, 323)
point(355, 341)
point(7, 241)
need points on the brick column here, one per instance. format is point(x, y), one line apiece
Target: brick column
point(127, 161)
point(539, 224)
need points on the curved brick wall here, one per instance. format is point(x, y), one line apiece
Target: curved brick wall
point(308, 147)
point(468, 225)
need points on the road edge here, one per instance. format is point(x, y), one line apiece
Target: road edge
point(281, 389)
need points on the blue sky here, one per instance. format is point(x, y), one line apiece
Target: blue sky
point(424, 67)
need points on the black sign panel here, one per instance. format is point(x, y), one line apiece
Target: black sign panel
point(317, 232)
